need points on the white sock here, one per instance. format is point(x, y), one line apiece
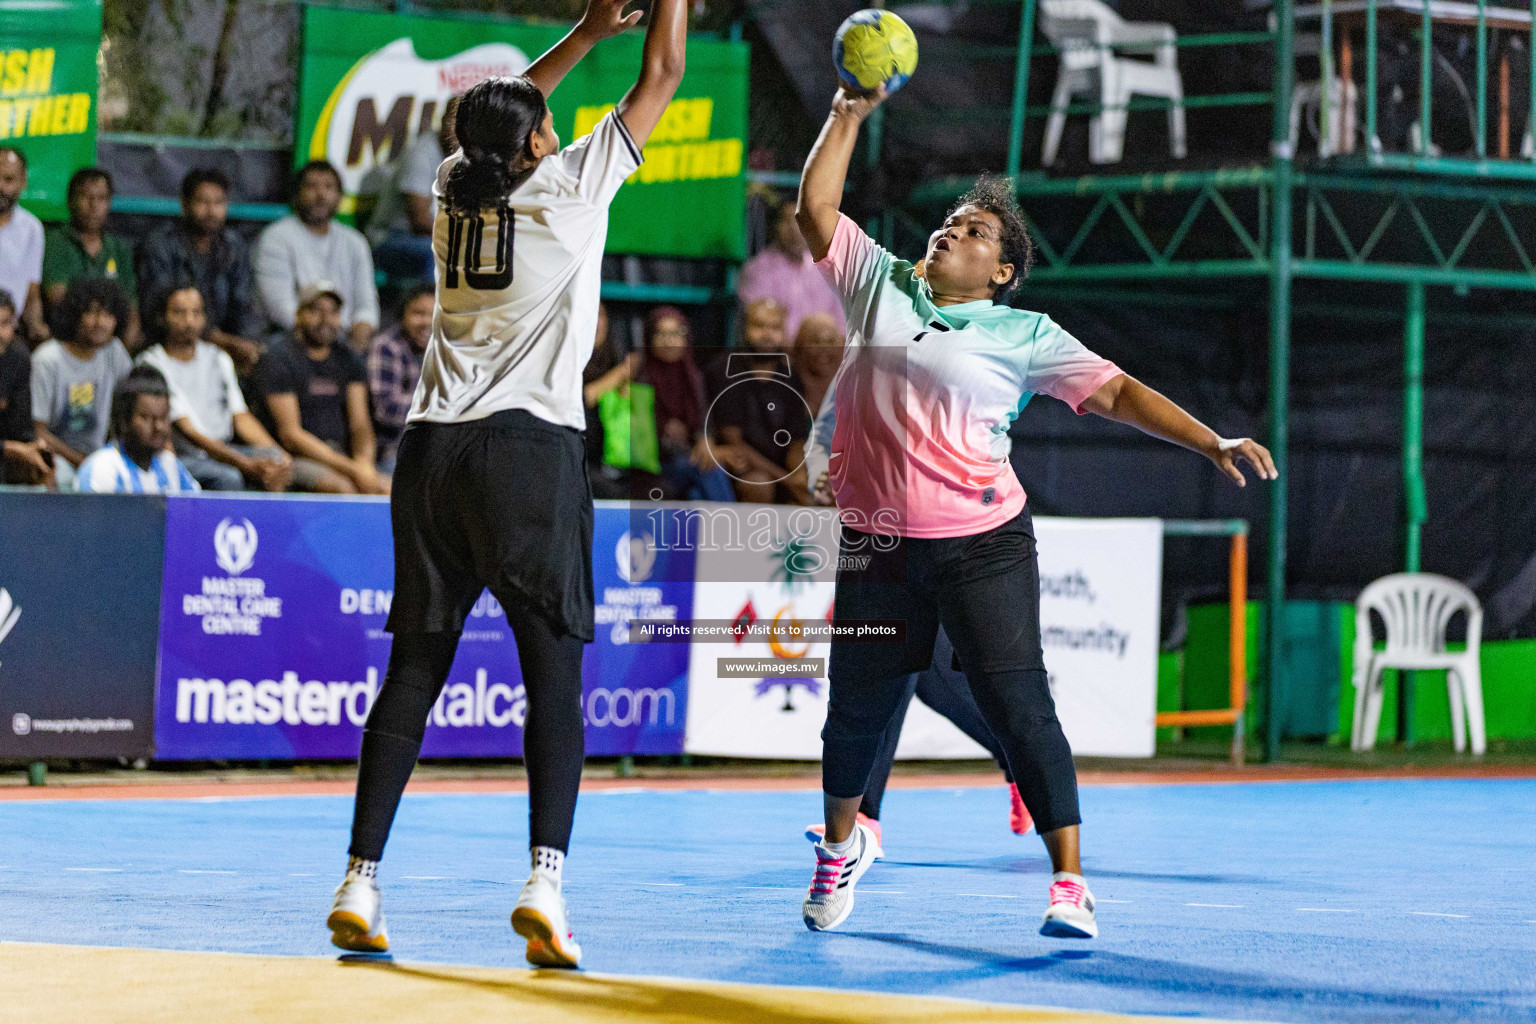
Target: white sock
point(368, 869)
point(1067, 876)
point(548, 863)
point(846, 846)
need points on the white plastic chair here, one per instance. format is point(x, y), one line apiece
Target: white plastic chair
point(1307, 98)
point(1088, 34)
point(1416, 607)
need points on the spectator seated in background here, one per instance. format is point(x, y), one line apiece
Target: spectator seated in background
point(604, 373)
point(691, 467)
point(25, 461)
point(785, 272)
point(74, 375)
point(84, 248)
point(316, 397)
point(294, 253)
point(223, 446)
point(21, 246)
point(400, 226)
point(200, 248)
point(139, 459)
point(394, 367)
point(759, 412)
point(817, 354)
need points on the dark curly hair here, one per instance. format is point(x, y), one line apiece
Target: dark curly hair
point(83, 293)
point(998, 196)
point(492, 122)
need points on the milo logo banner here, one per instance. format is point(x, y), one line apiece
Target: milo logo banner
point(372, 83)
point(272, 641)
point(48, 93)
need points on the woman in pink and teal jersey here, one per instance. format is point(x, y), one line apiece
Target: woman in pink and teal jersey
point(912, 443)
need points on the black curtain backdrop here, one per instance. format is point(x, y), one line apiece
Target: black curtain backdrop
point(1345, 479)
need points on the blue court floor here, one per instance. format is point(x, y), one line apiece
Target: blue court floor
point(1340, 901)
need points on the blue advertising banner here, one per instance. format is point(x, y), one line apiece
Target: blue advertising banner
point(79, 602)
point(272, 642)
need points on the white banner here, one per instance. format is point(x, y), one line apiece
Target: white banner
point(1100, 582)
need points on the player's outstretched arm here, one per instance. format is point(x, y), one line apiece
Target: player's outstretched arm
point(661, 69)
point(1125, 399)
point(826, 169)
point(603, 19)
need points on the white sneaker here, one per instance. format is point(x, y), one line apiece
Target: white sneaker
point(357, 921)
point(539, 917)
point(1070, 915)
point(829, 900)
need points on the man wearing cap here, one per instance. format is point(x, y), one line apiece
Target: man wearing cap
point(315, 394)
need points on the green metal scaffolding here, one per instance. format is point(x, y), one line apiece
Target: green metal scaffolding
point(1259, 204)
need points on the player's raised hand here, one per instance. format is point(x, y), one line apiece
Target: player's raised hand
point(1229, 451)
point(856, 104)
point(606, 18)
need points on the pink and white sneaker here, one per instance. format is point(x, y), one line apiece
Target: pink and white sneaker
point(1070, 915)
point(829, 900)
point(815, 833)
point(1018, 815)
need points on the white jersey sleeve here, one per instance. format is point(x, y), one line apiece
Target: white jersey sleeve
point(600, 162)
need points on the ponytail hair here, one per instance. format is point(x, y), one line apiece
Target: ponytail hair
point(493, 122)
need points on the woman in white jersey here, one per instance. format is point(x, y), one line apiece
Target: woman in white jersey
point(912, 441)
point(491, 488)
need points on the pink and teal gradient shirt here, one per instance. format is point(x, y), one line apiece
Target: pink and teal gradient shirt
point(913, 433)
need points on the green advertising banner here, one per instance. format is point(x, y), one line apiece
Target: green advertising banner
point(370, 83)
point(48, 93)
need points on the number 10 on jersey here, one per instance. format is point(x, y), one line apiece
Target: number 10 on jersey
point(466, 246)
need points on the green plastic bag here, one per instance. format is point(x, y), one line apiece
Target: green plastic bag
point(629, 427)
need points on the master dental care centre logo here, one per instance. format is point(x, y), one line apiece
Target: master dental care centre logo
point(236, 604)
point(233, 604)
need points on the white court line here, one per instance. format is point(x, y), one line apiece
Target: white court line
point(197, 871)
point(94, 869)
point(1323, 910)
point(1113, 901)
point(1225, 906)
point(302, 874)
point(988, 895)
point(426, 878)
point(668, 884)
point(1428, 913)
point(887, 892)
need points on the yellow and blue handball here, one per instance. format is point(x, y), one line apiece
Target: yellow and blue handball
point(874, 48)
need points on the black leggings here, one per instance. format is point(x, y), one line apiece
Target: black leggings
point(985, 591)
point(943, 689)
point(553, 738)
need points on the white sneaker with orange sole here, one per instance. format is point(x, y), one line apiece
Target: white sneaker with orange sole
point(539, 917)
point(357, 917)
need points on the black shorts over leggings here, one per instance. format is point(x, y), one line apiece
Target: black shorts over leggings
point(985, 590)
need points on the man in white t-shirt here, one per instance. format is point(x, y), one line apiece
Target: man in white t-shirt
point(21, 246)
point(221, 443)
point(400, 228)
point(138, 459)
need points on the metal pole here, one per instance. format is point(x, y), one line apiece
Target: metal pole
point(1325, 77)
point(874, 141)
point(1021, 88)
point(1530, 117)
point(1425, 48)
point(1372, 140)
point(1279, 367)
point(1482, 79)
point(1237, 639)
point(1415, 504)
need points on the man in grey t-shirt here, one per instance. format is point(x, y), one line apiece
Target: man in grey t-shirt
point(297, 251)
point(73, 378)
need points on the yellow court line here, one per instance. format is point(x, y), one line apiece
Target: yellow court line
point(49, 984)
